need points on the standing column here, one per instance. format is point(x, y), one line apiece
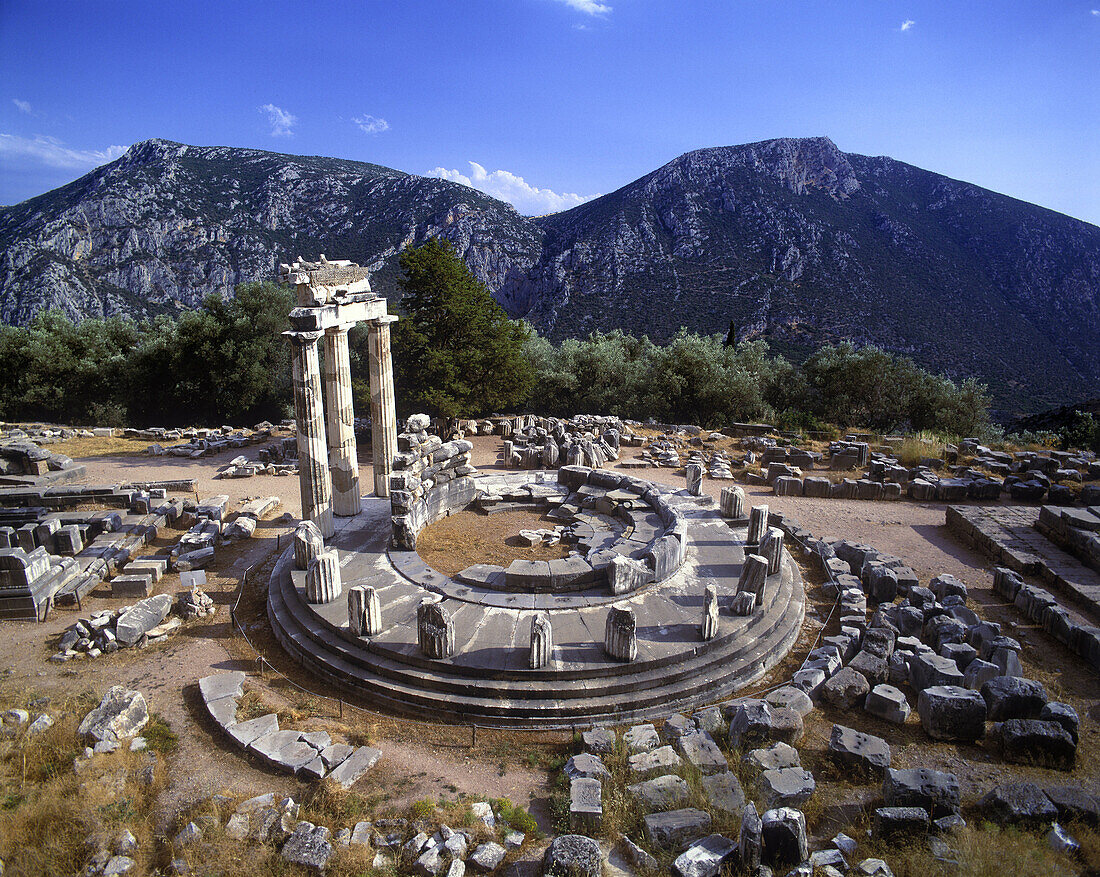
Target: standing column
point(340, 421)
point(313, 475)
point(383, 412)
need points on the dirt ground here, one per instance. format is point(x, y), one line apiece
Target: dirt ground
point(444, 764)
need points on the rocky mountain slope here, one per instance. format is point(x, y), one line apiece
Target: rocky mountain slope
point(791, 240)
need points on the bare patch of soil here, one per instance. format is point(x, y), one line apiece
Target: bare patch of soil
point(453, 543)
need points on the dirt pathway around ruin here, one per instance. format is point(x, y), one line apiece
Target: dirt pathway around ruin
point(415, 767)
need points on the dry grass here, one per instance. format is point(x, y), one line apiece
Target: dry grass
point(910, 452)
point(465, 538)
point(983, 850)
point(47, 810)
point(96, 446)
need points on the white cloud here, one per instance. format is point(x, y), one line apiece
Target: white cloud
point(588, 7)
point(51, 152)
point(24, 106)
point(1096, 12)
point(282, 122)
point(907, 24)
point(371, 124)
point(507, 186)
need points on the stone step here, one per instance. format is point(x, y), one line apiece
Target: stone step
point(522, 702)
point(735, 629)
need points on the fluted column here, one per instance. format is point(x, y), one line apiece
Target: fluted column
point(313, 474)
point(340, 421)
point(383, 412)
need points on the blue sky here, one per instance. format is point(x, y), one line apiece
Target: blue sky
point(549, 102)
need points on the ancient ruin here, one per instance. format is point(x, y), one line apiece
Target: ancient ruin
point(610, 631)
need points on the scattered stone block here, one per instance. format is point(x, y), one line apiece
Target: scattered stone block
point(789, 697)
point(1074, 804)
point(855, 749)
point(649, 764)
point(585, 804)
point(724, 792)
point(888, 703)
point(785, 787)
point(1032, 741)
point(570, 855)
point(1020, 803)
point(121, 714)
point(846, 689)
point(141, 618)
point(661, 793)
point(599, 740)
point(700, 750)
point(948, 712)
point(1013, 697)
point(705, 858)
point(675, 828)
point(774, 757)
point(785, 841)
point(933, 790)
point(641, 738)
point(894, 823)
point(586, 765)
point(750, 723)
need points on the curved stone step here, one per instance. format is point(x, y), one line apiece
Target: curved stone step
point(409, 690)
point(446, 676)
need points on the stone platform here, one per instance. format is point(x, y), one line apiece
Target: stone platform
point(1009, 536)
point(488, 681)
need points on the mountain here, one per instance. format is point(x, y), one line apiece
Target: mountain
point(167, 224)
point(791, 240)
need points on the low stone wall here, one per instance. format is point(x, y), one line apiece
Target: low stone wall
point(430, 479)
point(307, 755)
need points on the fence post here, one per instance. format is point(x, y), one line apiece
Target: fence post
point(473, 736)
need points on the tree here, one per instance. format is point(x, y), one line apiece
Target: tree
point(455, 350)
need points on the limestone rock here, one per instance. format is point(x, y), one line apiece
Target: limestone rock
point(1033, 741)
point(659, 761)
point(948, 712)
point(133, 624)
point(488, 856)
point(784, 837)
point(933, 790)
point(570, 855)
point(586, 765)
point(700, 750)
point(724, 792)
point(892, 823)
point(641, 738)
point(705, 858)
point(785, 787)
point(750, 723)
point(846, 689)
point(674, 828)
point(750, 838)
point(660, 793)
point(1013, 697)
point(1021, 803)
point(856, 749)
point(309, 846)
point(121, 714)
point(889, 703)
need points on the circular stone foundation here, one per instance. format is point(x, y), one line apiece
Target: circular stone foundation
point(488, 679)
